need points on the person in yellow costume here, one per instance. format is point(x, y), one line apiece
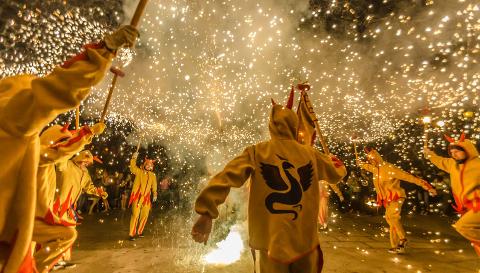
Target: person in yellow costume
point(386, 180)
point(27, 104)
point(73, 180)
point(283, 197)
point(464, 169)
point(144, 185)
point(52, 234)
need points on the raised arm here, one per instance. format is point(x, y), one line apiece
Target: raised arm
point(329, 168)
point(235, 174)
point(407, 177)
point(440, 162)
point(133, 164)
point(39, 101)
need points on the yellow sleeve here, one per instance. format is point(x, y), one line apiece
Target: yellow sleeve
point(133, 166)
point(30, 109)
point(368, 167)
point(337, 191)
point(407, 177)
point(235, 174)
point(154, 184)
point(88, 187)
point(442, 163)
point(327, 171)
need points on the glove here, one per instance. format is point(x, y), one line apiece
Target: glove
point(336, 162)
point(124, 36)
point(427, 152)
point(201, 229)
point(98, 128)
point(155, 198)
point(135, 155)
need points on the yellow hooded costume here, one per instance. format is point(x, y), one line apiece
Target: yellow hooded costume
point(53, 234)
point(145, 183)
point(27, 104)
point(284, 195)
point(465, 181)
point(386, 180)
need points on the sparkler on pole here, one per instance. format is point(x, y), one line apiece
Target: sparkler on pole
point(116, 71)
point(426, 122)
point(427, 119)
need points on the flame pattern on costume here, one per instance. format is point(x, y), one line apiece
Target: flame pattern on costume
point(27, 104)
point(465, 183)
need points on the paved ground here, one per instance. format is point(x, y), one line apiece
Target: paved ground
point(351, 244)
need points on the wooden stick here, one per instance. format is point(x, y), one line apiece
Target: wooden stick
point(138, 145)
point(109, 97)
point(317, 126)
point(425, 134)
point(138, 12)
point(355, 150)
point(77, 117)
point(134, 22)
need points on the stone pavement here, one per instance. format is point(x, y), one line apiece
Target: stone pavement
point(350, 244)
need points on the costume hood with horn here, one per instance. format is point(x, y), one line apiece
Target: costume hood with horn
point(284, 189)
point(144, 185)
point(73, 179)
point(465, 183)
point(27, 104)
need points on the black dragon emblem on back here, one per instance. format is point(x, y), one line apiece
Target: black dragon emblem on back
point(271, 175)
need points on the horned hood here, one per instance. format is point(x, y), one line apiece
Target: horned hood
point(283, 123)
point(374, 155)
point(468, 146)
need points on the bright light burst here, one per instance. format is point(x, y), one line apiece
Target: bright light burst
point(228, 251)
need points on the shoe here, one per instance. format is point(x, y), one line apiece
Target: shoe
point(393, 250)
point(131, 238)
point(67, 265)
point(141, 235)
point(57, 267)
point(402, 246)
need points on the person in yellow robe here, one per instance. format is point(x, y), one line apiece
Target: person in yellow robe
point(464, 169)
point(27, 104)
point(386, 180)
point(284, 197)
point(144, 185)
point(75, 180)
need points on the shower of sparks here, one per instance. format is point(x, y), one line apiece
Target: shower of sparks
point(202, 74)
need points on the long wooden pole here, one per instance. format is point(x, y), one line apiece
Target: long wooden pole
point(109, 97)
point(138, 145)
point(317, 125)
point(355, 150)
point(77, 118)
point(134, 22)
